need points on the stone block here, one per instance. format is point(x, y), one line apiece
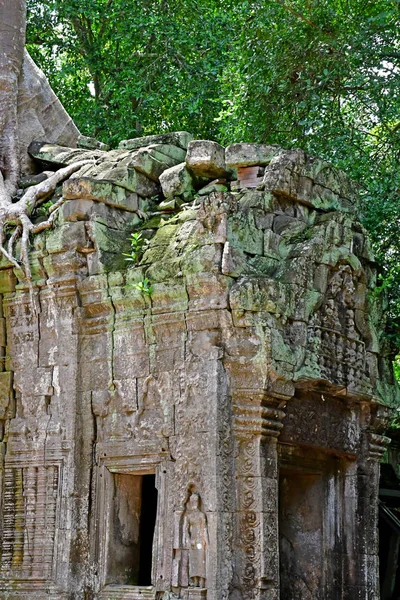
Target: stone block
point(197, 594)
point(206, 159)
point(219, 185)
point(271, 244)
point(234, 260)
point(207, 290)
point(164, 270)
point(177, 181)
point(90, 143)
point(202, 259)
point(8, 280)
point(170, 151)
point(111, 188)
point(96, 375)
point(177, 138)
point(169, 296)
point(65, 266)
point(87, 188)
point(50, 155)
point(248, 155)
point(115, 241)
point(38, 382)
point(169, 329)
point(3, 339)
point(153, 163)
point(69, 236)
point(243, 233)
point(5, 392)
point(77, 210)
point(131, 365)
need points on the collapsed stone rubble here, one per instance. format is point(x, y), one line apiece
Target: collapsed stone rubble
point(216, 435)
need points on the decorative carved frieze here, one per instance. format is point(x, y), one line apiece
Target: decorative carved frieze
point(29, 521)
point(257, 422)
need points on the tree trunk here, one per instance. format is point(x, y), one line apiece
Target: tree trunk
point(41, 116)
point(12, 42)
point(29, 110)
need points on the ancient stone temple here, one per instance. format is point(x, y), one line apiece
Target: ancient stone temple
point(204, 420)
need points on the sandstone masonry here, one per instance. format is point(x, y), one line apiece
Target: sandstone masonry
point(216, 432)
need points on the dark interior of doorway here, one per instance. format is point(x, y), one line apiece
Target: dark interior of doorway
point(131, 528)
point(147, 526)
point(389, 534)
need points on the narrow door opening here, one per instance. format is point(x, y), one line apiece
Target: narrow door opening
point(310, 525)
point(301, 545)
point(147, 525)
point(389, 533)
point(131, 530)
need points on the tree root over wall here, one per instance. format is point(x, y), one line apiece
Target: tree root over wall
point(17, 216)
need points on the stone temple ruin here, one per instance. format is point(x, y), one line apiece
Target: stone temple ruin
point(205, 421)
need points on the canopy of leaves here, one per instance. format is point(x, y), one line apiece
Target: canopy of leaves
point(125, 68)
point(323, 75)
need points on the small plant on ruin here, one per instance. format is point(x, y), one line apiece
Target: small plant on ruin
point(138, 246)
point(144, 286)
point(43, 210)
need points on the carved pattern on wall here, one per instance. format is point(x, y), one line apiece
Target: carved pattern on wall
point(190, 545)
point(29, 521)
point(333, 339)
point(256, 427)
point(249, 524)
point(257, 420)
point(321, 420)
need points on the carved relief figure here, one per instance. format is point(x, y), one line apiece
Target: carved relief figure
point(195, 540)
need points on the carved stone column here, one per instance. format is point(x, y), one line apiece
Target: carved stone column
point(361, 579)
point(257, 423)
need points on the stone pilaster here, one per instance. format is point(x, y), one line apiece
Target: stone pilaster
point(257, 421)
point(362, 561)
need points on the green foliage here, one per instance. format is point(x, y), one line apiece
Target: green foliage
point(138, 245)
point(396, 367)
point(323, 76)
point(43, 209)
point(143, 286)
point(125, 69)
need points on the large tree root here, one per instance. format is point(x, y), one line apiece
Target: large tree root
point(18, 216)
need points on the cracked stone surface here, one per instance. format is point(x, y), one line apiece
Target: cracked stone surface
point(254, 382)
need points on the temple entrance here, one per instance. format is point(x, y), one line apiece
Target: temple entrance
point(131, 530)
point(389, 533)
point(309, 520)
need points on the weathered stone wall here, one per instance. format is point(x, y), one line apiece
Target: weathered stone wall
point(255, 369)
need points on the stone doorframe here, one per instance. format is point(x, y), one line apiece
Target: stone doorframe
point(138, 464)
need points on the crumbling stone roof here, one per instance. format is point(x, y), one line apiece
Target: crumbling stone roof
point(253, 228)
point(174, 166)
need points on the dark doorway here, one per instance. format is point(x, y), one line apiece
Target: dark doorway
point(389, 533)
point(147, 525)
point(310, 516)
point(131, 530)
point(301, 497)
